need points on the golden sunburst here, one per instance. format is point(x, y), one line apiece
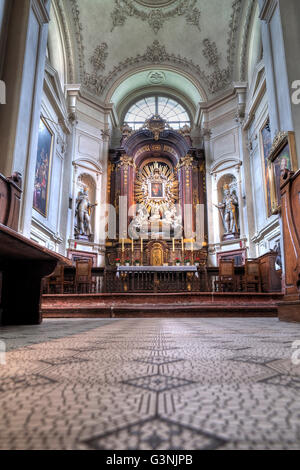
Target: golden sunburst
point(156, 173)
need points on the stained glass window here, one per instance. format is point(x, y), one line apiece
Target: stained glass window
point(167, 108)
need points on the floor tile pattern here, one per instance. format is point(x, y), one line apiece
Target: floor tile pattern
point(150, 384)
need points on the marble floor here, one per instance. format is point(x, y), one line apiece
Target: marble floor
point(150, 384)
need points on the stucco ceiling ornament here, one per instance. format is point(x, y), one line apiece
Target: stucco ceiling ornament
point(220, 77)
point(156, 13)
point(157, 54)
point(97, 83)
point(156, 77)
point(99, 57)
point(155, 3)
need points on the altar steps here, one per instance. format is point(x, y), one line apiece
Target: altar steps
point(160, 305)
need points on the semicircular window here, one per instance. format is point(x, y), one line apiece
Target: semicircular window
point(167, 108)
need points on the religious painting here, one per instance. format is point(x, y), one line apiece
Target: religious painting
point(42, 169)
point(157, 190)
point(266, 145)
point(282, 157)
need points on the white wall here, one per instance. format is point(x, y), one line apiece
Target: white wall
point(224, 157)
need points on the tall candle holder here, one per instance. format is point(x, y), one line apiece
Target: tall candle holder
point(132, 251)
point(142, 250)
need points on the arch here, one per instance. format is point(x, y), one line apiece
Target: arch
point(173, 143)
point(90, 164)
point(225, 164)
point(175, 83)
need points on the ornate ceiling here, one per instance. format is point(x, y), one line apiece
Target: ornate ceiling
point(111, 40)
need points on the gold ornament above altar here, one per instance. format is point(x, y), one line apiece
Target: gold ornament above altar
point(156, 187)
point(156, 125)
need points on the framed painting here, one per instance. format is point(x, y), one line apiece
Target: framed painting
point(282, 156)
point(157, 190)
point(266, 145)
point(42, 169)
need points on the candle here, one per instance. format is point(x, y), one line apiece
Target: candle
point(141, 245)
point(182, 245)
point(132, 245)
point(192, 246)
point(123, 247)
point(173, 245)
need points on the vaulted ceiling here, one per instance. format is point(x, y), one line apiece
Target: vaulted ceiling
point(146, 43)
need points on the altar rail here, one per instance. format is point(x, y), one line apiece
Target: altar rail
point(157, 280)
point(165, 279)
point(145, 280)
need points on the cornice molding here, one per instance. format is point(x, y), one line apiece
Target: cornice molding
point(55, 94)
point(267, 10)
point(61, 17)
point(245, 40)
point(40, 8)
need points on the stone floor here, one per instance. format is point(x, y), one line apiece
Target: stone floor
point(150, 384)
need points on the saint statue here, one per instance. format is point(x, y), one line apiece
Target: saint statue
point(141, 218)
point(171, 218)
point(83, 214)
point(155, 214)
point(229, 211)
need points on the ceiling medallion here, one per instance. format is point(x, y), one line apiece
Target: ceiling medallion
point(155, 12)
point(156, 77)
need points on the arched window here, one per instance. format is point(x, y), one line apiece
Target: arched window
point(167, 108)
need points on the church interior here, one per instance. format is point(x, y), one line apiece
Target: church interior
point(149, 225)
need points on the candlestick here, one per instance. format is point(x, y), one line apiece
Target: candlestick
point(141, 245)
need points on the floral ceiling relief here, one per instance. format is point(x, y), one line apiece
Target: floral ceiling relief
point(98, 69)
point(95, 82)
point(155, 13)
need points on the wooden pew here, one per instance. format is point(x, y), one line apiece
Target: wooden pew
point(23, 264)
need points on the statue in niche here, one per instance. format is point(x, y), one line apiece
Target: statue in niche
point(83, 215)
point(229, 211)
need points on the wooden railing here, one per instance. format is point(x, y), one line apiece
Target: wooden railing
point(167, 280)
point(147, 280)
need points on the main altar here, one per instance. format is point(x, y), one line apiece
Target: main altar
point(157, 185)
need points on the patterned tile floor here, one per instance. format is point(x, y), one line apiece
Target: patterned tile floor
point(150, 384)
